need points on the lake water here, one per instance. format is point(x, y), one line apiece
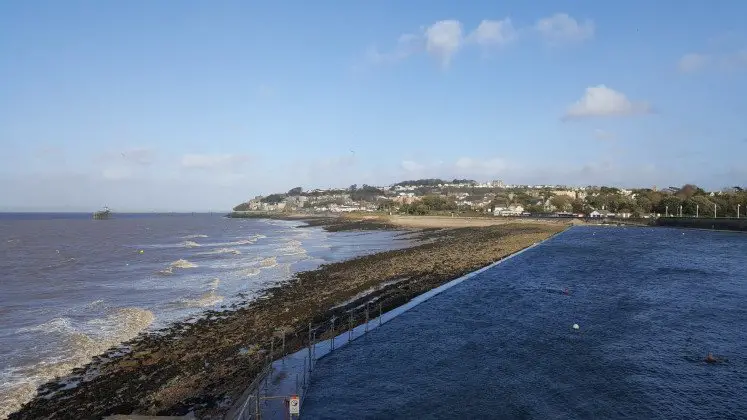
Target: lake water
point(651, 303)
point(72, 287)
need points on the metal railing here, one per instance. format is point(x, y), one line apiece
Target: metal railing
point(308, 344)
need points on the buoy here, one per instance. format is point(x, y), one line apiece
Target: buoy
point(141, 251)
point(576, 327)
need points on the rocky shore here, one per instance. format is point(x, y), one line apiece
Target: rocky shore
point(202, 365)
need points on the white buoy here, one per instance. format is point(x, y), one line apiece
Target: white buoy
point(576, 327)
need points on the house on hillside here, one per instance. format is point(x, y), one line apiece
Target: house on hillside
point(512, 210)
point(601, 214)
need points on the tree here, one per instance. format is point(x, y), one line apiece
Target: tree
point(578, 206)
point(274, 198)
point(533, 208)
point(561, 202)
point(241, 207)
point(295, 192)
point(689, 190)
point(669, 205)
point(438, 203)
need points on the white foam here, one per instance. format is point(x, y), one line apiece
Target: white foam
point(250, 272)
point(194, 236)
point(209, 298)
point(269, 262)
point(182, 263)
point(74, 346)
point(220, 251)
point(190, 244)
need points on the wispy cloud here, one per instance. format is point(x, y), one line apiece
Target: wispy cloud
point(697, 62)
point(124, 164)
point(214, 162)
point(561, 28)
point(138, 156)
point(602, 101)
point(443, 39)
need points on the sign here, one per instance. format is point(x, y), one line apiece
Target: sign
point(294, 405)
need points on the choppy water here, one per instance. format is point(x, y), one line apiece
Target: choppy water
point(73, 287)
point(650, 303)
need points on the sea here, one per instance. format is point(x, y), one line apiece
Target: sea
point(73, 287)
point(650, 304)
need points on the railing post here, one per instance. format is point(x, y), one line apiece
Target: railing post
point(367, 317)
point(332, 344)
point(309, 347)
point(304, 372)
point(256, 404)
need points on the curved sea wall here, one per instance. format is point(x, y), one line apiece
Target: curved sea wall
point(730, 223)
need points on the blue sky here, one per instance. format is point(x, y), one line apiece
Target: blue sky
point(195, 105)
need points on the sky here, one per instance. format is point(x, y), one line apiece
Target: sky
point(198, 106)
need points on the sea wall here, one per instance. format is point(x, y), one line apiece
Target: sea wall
point(730, 223)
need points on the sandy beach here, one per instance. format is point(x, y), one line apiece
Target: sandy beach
point(202, 365)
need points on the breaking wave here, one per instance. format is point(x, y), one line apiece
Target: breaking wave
point(194, 236)
point(220, 251)
point(209, 298)
point(190, 244)
point(182, 263)
point(178, 264)
point(268, 262)
point(292, 248)
point(75, 346)
point(250, 272)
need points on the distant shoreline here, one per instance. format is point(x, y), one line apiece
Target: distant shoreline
point(198, 365)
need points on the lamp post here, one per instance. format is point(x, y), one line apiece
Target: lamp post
point(697, 209)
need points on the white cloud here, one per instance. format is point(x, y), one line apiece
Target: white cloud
point(407, 45)
point(494, 33)
point(692, 62)
point(443, 39)
point(220, 162)
point(561, 28)
point(601, 101)
point(695, 62)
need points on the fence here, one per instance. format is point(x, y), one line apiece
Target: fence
point(269, 395)
point(291, 374)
